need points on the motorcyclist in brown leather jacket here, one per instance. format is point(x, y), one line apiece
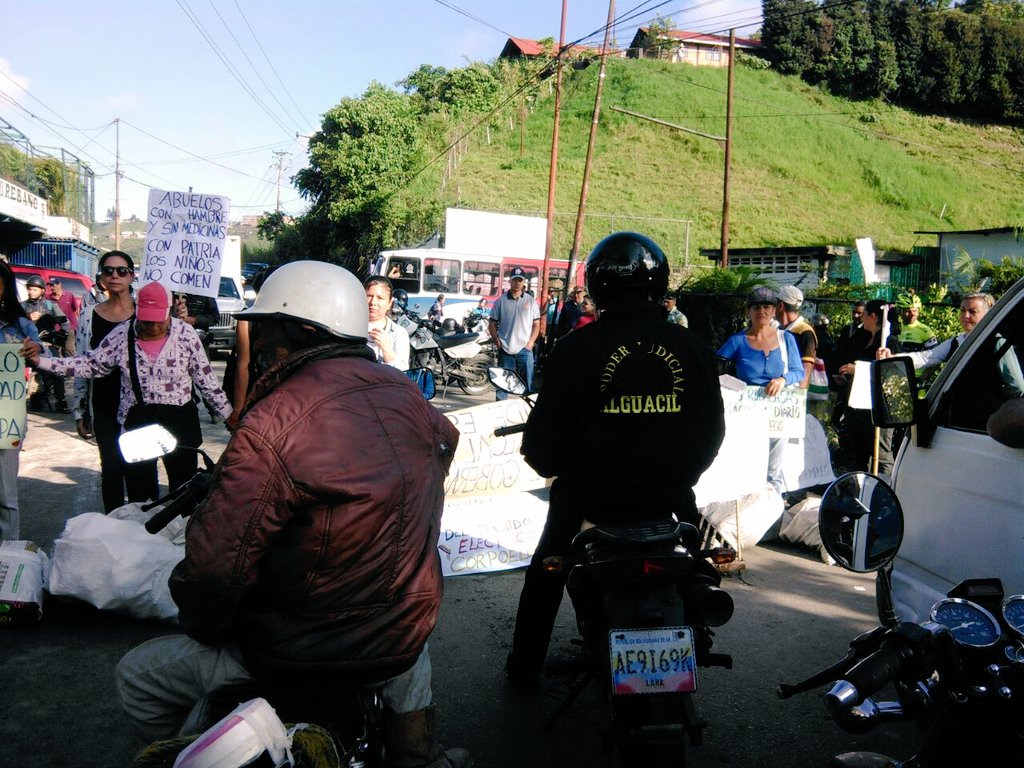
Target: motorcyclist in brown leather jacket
point(316, 547)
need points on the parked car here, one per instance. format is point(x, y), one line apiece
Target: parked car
point(221, 337)
point(74, 282)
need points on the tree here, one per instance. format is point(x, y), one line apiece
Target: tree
point(362, 177)
point(789, 35)
point(271, 224)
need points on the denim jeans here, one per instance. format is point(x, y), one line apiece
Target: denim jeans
point(522, 363)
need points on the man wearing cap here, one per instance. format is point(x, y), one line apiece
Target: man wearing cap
point(914, 335)
point(789, 299)
point(48, 317)
point(514, 327)
point(160, 358)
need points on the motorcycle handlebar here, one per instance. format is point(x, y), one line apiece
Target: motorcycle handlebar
point(182, 505)
point(868, 676)
point(510, 430)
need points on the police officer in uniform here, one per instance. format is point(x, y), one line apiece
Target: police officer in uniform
point(642, 399)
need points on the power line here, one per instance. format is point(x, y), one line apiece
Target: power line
point(269, 64)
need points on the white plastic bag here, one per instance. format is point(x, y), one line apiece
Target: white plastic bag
point(743, 522)
point(115, 565)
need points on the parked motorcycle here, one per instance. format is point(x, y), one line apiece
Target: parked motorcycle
point(960, 674)
point(646, 598)
point(454, 356)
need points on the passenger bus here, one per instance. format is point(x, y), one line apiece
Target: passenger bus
point(464, 279)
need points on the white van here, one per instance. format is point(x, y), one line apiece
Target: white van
point(962, 491)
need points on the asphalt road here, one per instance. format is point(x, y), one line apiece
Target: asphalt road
point(793, 615)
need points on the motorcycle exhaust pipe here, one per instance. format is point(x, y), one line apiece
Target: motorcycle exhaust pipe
point(707, 604)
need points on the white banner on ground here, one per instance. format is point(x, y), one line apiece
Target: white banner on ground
point(480, 534)
point(185, 240)
point(485, 464)
point(13, 396)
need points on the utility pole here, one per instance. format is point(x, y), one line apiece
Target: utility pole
point(117, 184)
point(281, 155)
point(728, 150)
point(552, 174)
point(577, 236)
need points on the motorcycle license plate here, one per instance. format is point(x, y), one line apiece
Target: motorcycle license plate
point(658, 660)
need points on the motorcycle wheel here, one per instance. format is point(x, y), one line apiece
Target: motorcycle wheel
point(475, 381)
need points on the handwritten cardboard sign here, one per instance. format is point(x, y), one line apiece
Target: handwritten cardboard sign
point(785, 410)
point(13, 396)
point(483, 534)
point(185, 240)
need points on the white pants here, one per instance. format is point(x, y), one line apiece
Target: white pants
point(10, 520)
point(161, 680)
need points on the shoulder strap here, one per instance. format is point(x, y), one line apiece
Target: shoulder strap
point(136, 386)
point(783, 351)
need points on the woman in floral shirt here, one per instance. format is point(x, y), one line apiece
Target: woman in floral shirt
point(169, 359)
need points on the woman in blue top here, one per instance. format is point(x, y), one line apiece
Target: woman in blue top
point(16, 328)
point(761, 360)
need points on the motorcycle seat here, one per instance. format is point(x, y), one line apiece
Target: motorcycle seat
point(444, 342)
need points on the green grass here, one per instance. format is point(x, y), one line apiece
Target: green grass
point(808, 168)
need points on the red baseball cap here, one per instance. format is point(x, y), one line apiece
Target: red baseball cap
point(154, 304)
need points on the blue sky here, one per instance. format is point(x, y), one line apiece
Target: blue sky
point(68, 68)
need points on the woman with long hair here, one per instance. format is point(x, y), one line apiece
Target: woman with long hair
point(16, 328)
point(96, 400)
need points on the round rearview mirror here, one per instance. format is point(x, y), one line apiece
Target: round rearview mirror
point(506, 380)
point(145, 443)
point(860, 521)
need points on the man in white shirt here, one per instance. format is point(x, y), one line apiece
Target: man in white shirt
point(514, 327)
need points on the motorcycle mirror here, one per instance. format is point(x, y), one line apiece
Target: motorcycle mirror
point(506, 380)
point(860, 521)
point(423, 378)
point(145, 443)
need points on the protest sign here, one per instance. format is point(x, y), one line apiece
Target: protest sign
point(485, 464)
point(807, 463)
point(13, 396)
point(741, 465)
point(481, 534)
point(785, 410)
point(185, 240)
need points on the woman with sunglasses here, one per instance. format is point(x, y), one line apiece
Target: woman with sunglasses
point(96, 400)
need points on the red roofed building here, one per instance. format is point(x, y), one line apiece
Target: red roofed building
point(521, 47)
point(678, 45)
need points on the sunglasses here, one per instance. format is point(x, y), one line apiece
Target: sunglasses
point(119, 271)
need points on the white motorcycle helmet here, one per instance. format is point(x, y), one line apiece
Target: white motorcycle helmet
point(323, 295)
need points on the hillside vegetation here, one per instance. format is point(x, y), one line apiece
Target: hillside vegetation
point(807, 169)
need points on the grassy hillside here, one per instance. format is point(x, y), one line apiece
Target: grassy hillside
point(807, 169)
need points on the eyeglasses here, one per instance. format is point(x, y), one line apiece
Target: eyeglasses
point(119, 271)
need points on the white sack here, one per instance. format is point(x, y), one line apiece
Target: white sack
point(174, 531)
point(800, 526)
point(21, 582)
point(757, 513)
point(115, 565)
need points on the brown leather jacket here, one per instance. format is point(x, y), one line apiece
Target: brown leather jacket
point(317, 544)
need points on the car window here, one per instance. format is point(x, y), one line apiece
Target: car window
point(228, 289)
point(992, 376)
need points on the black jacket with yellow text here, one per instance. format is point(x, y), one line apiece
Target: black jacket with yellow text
point(628, 417)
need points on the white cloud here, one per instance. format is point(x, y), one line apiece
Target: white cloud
point(124, 100)
point(11, 83)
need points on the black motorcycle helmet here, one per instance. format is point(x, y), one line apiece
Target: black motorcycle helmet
point(626, 266)
point(449, 327)
point(35, 281)
point(401, 298)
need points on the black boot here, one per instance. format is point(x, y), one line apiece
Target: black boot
point(409, 742)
